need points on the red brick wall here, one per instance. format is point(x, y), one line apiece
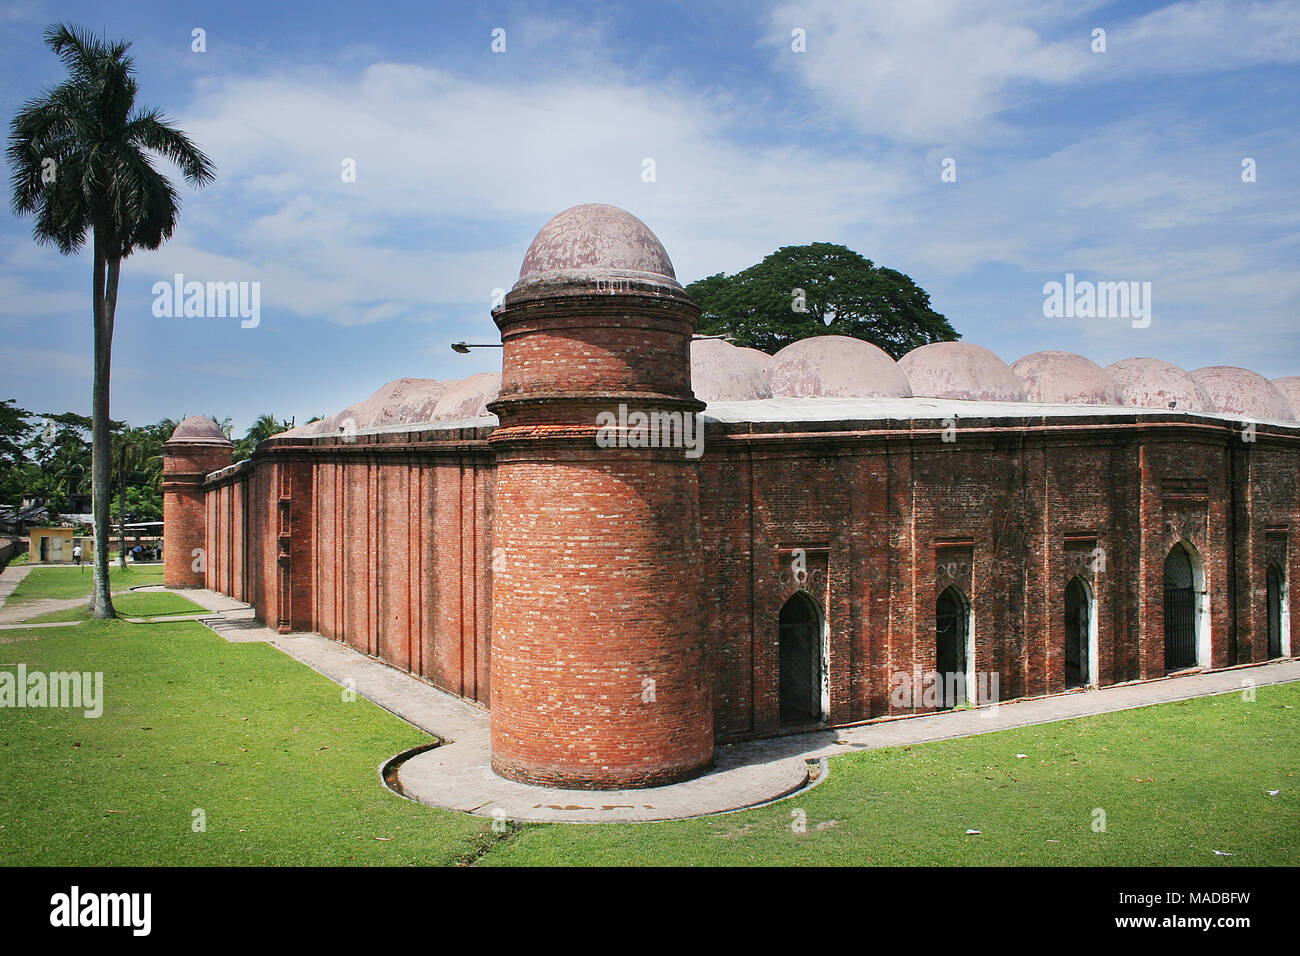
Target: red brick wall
point(381, 543)
point(1015, 509)
point(186, 510)
point(389, 545)
point(597, 593)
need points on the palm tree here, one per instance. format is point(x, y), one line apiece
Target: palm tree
point(82, 160)
point(263, 427)
point(132, 445)
point(226, 424)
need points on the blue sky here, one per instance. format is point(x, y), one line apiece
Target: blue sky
point(1123, 165)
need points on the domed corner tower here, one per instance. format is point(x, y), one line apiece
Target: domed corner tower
point(598, 671)
point(196, 449)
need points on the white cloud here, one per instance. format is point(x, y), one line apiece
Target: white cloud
point(927, 71)
point(1209, 35)
point(437, 155)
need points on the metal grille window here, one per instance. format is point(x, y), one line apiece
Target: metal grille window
point(1180, 611)
point(1076, 634)
point(1274, 612)
point(800, 660)
point(950, 655)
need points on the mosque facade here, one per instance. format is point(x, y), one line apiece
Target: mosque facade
point(634, 545)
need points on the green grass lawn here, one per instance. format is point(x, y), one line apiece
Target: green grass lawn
point(73, 582)
point(133, 604)
point(285, 771)
point(1176, 781)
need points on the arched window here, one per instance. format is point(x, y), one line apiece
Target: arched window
point(801, 661)
point(1078, 620)
point(1274, 611)
point(1180, 610)
point(952, 624)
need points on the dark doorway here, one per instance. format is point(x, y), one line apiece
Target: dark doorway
point(951, 616)
point(1274, 612)
point(1180, 611)
point(1076, 634)
point(801, 661)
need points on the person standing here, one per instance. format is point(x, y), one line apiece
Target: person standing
point(76, 555)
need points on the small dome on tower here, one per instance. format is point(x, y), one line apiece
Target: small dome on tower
point(1239, 391)
point(1064, 378)
point(595, 240)
point(1153, 383)
point(960, 370)
point(835, 366)
point(199, 428)
point(720, 372)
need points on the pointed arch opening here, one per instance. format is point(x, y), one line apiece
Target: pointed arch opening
point(1187, 634)
point(952, 650)
point(802, 662)
point(1079, 617)
point(1274, 611)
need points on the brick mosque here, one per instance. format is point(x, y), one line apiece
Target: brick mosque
point(813, 538)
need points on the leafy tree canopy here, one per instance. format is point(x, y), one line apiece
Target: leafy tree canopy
point(14, 429)
point(819, 289)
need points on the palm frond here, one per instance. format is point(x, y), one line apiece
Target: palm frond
point(105, 182)
point(153, 131)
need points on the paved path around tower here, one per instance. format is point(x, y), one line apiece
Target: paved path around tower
point(456, 774)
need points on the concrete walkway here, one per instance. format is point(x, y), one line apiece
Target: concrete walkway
point(456, 773)
point(10, 578)
point(898, 732)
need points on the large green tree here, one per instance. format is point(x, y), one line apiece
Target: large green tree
point(15, 429)
point(138, 463)
point(819, 289)
point(61, 457)
point(82, 161)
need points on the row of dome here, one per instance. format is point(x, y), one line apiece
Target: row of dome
point(835, 366)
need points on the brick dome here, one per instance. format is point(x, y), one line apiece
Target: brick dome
point(468, 398)
point(1290, 389)
point(960, 370)
point(402, 401)
point(1064, 378)
point(1239, 391)
point(835, 366)
point(761, 359)
point(594, 241)
point(1153, 383)
point(199, 428)
point(720, 372)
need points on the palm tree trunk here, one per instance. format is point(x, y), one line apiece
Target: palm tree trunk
point(105, 292)
point(121, 506)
